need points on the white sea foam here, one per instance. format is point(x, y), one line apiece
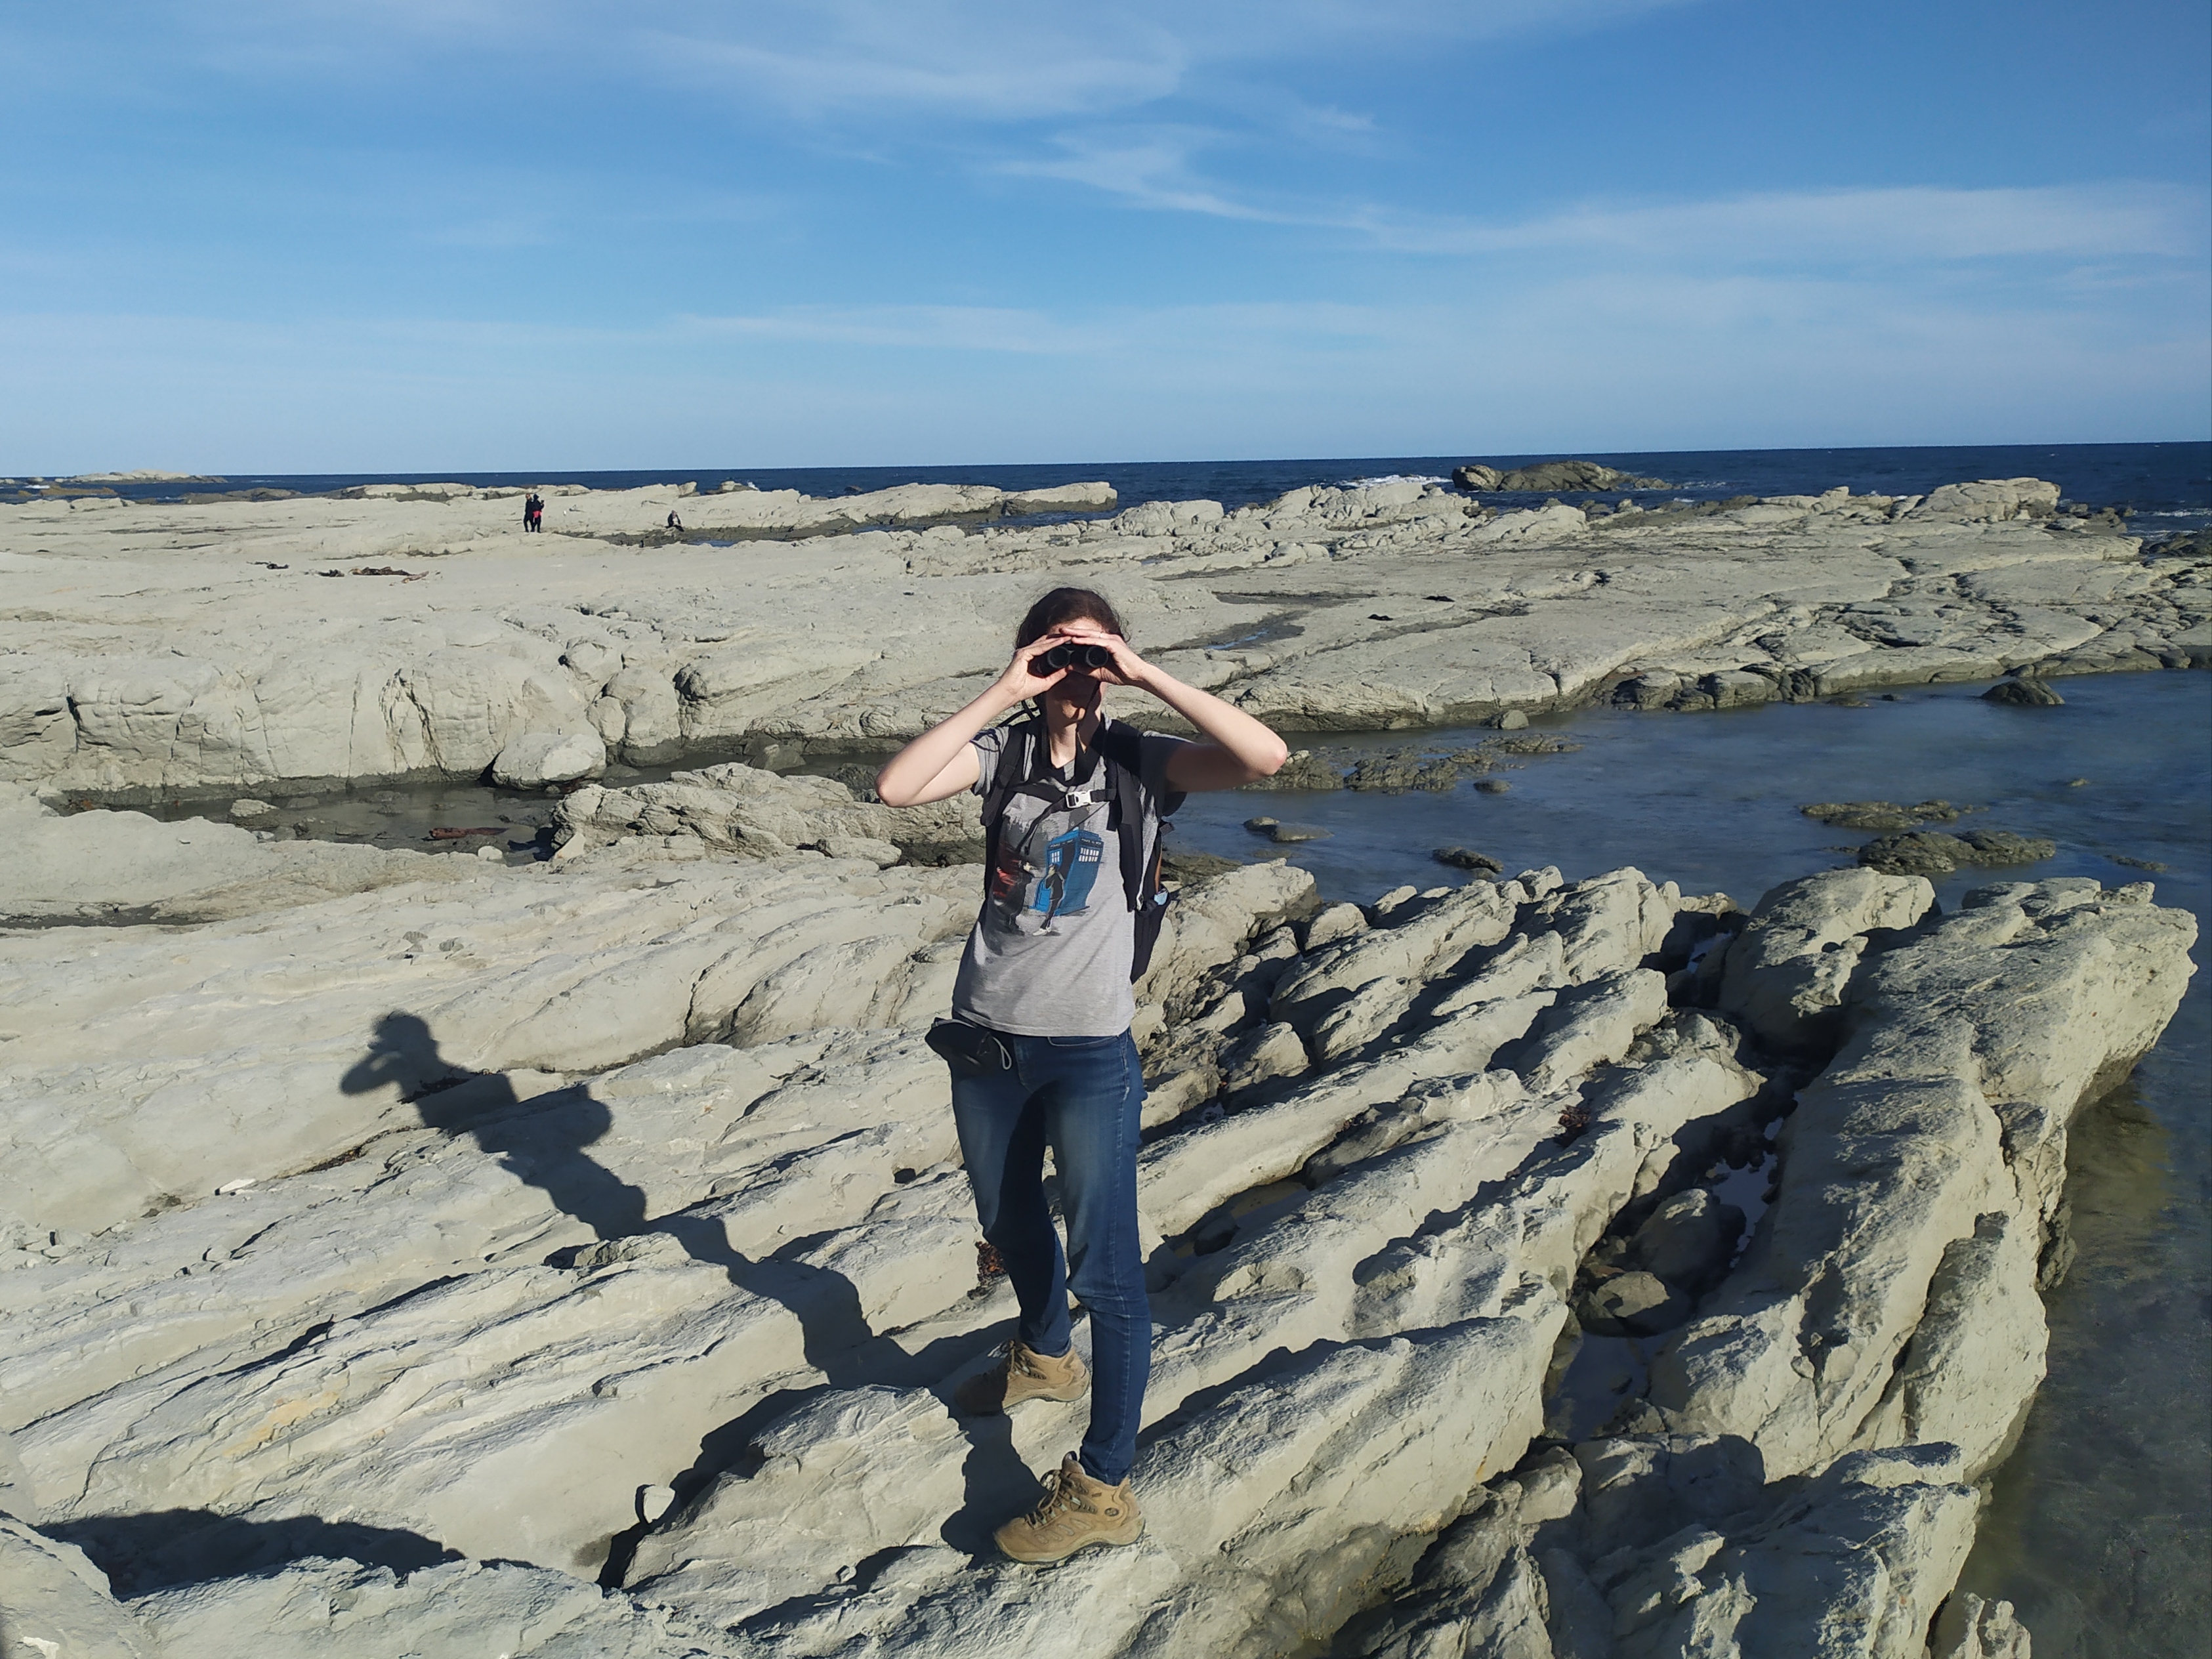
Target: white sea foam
point(1390, 478)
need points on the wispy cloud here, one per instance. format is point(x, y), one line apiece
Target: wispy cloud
point(1874, 226)
point(929, 328)
point(1147, 166)
point(973, 61)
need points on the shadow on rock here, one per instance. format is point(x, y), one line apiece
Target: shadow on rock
point(542, 1142)
point(164, 1548)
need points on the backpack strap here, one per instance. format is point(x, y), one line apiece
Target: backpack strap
point(1123, 747)
point(1008, 772)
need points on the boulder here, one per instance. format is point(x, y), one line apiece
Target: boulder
point(1934, 852)
point(1785, 974)
point(537, 758)
point(1466, 858)
point(1988, 501)
point(1972, 1628)
point(1689, 1240)
point(1551, 475)
point(1333, 924)
point(2023, 693)
point(1633, 1304)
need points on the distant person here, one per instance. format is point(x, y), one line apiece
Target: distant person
point(533, 514)
point(1039, 1042)
point(674, 522)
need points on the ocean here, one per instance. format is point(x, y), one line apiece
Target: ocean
point(2165, 487)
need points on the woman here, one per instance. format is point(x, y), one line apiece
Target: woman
point(1042, 1002)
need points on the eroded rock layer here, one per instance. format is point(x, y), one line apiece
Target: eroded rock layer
point(416, 631)
point(576, 1259)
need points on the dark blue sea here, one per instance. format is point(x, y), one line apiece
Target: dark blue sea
point(2165, 486)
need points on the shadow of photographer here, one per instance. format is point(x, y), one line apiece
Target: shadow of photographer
point(542, 1142)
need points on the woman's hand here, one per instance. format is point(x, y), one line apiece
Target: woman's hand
point(1130, 669)
point(1022, 678)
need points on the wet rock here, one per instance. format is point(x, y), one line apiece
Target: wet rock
point(250, 808)
point(1934, 852)
point(1928, 853)
point(2002, 847)
point(1492, 785)
point(1633, 1304)
point(1551, 475)
point(1399, 771)
point(90, 866)
point(1466, 858)
point(1972, 1628)
point(1292, 834)
point(1304, 771)
point(2023, 693)
point(1510, 720)
point(1880, 814)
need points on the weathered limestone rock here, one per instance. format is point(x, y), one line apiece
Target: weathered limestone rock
point(537, 758)
point(1968, 1049)
point(461, 1610)
point(1785, 974)
point(107, 866)
point(244, 1063)
point(836, 623)
point(675, 1275)
point(1856, 1564)
point(53, 1601)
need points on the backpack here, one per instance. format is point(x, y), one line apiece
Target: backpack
point(1120, 747)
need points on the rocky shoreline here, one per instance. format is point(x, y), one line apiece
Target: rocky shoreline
point(423, 1256)
point(171, 651)
point(412, 1252)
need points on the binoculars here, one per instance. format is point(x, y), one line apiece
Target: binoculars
point(1071, 655)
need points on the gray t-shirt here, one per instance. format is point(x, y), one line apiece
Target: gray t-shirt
point(1051, 951)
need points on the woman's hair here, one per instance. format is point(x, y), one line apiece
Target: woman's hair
point(1066, 604)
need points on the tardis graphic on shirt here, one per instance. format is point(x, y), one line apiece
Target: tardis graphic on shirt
point(1047, 872)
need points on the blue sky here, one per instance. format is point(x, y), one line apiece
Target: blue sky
point(478, 235)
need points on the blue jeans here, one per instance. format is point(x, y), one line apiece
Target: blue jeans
point(1082, 1097)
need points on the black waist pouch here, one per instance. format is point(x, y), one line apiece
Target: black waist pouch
point(969, 1051)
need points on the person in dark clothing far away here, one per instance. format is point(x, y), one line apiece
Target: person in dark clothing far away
point(533, 513)
point(674, 522)
point(1039, 1044)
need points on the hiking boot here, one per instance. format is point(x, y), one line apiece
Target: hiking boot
point(1074, 1512)
point(1021, 1373)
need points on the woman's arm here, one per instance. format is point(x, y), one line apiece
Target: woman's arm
point(940, 763)
point(1237, 749)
